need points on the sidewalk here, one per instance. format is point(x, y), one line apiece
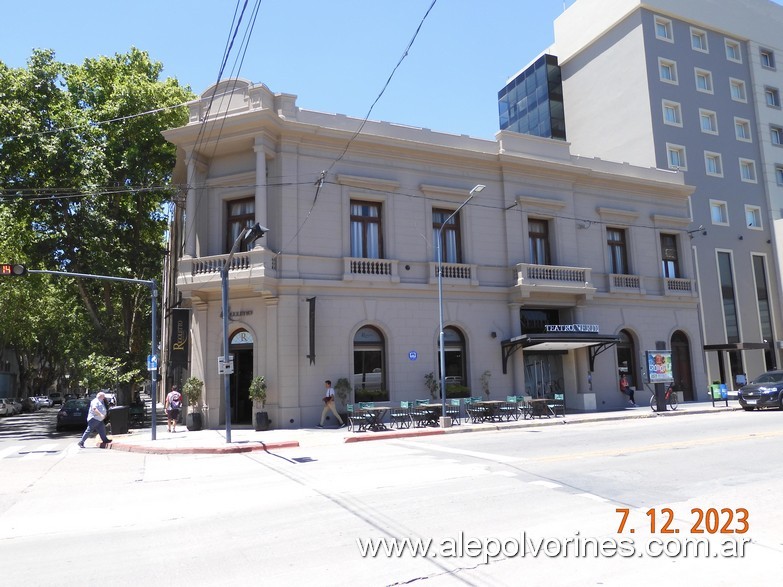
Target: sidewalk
point(246, 439)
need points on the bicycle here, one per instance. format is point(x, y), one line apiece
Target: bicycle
point(670, 398)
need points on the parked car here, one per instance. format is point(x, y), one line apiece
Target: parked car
point(28, 404)
point(44, 401)
point(57, 399)
point(765, 391)
point(17, 404)
point(73, 414)
point(4, 408)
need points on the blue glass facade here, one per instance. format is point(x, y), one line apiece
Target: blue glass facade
point(532, 103)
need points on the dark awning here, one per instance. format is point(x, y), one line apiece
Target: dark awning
point(558, 341)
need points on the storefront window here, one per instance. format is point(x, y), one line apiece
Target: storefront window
point(369, 373)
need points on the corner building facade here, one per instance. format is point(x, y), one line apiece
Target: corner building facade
point(345, 282)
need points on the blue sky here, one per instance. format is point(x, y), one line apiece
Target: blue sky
point(334, 55)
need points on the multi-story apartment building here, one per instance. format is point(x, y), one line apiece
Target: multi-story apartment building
point(693, 87)
point(551, 276)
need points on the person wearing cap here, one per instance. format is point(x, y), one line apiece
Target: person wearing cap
point(95, 417)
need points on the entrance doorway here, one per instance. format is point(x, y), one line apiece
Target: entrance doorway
point(543, 374)
point(681, 365)
point(239, 384)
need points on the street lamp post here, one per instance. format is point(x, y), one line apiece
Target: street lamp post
point(473, 192)
point(247, 235)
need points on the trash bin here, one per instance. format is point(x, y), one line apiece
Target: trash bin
point(118, 419)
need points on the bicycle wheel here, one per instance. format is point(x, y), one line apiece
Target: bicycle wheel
point(673, 401)
point(653, 403)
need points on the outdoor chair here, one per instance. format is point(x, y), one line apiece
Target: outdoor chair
point(557, 404)
point(509, 410)
point(454, 410)
point(357, 418)
point(401, 415)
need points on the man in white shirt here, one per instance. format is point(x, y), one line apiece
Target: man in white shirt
point(329, 405)
point(95, 417)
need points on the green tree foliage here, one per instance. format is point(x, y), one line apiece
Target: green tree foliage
point(85, 180)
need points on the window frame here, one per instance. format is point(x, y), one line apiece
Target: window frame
point(676, 107)
point(617, 250)
point(543, 237)
point(755, 212)
point(779, 174)
point(776, 131)
point(712, 117)
point(366, 222)
point(243, 220)
point(767, 58)
point(681, 154)
point(713, 156)
point(670, 66)
point(744, 124)
point(773, 93)
point(741, 87)
point(706, 74)
point(722, 208)
point(670, 263)
point(448, 255)
point(702, 35)
point(748, 164)
point(668, 27)
point(735, 46)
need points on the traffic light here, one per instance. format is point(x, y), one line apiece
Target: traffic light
point(12, 269)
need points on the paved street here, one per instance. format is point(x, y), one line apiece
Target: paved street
point(295, 515)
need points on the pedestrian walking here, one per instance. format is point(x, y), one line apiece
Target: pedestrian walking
point(329, 405)
point(626, 388)
point(95, 417)
point(172, 406)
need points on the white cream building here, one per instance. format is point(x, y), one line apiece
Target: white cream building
point(344, 284)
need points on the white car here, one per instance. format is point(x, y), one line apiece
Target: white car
point(43, 401)
point(3, 408)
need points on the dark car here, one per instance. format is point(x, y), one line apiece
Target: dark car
point(73, 414)
point(765, 391)
point(57, 399)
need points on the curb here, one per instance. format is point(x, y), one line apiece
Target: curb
point(202, 450)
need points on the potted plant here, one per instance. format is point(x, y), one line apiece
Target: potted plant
point(341, 389)
point(485, 382)
point(432, 384)
point(257, 393)
point(192, 391)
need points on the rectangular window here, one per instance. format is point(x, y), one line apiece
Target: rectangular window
point(618, 259)
point(709, 121)
point(663, 29)
point(669, 256)
point(727, 293)
point(753, 216)
point(451, 250)
point(719, 212)
point(742, 129)
point(667, 71)
point(699, 40)
point(538, 241)
point(713, 164)
point(672, 113)
point(762, 297)
point(747, 170)
point(366, 230)
point(738, 93)
point(676, 157)
point(240, 214)
point(733, 51)
point(779, 174)
point(776, 134)
point(772, 96)
point(703, 80)
point(767, 58)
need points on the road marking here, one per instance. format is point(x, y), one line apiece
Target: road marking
point(547, 484)
point(10, 450)
point(467, 453)
point(592, 497)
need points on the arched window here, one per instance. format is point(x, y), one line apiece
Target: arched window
point(369, 365)
point(626, 359)
point(455, 355)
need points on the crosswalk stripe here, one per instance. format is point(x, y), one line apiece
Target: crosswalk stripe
point(10, 450)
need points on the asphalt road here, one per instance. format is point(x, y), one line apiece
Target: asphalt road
point(304, 515)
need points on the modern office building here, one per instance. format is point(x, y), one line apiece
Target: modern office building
point(551, 276)
point(693, 87)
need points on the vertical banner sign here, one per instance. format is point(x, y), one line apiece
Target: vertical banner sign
point(180, 336)
point(311, 356)
point(659, 366)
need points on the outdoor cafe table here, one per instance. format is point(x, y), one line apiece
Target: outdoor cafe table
point(431, 412)
point(375, 417)
point(493, 408)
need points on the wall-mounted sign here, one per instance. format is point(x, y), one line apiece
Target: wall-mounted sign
point(571, 328)
point(413, 355)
